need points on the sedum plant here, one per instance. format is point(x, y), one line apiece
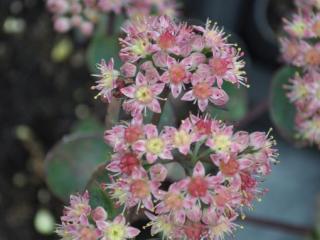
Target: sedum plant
point(222, 168)
point(300, 49)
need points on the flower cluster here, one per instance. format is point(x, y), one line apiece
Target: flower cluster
point(84, 14)
point(161, 56)
point(223, 168)
point(301, 49)
point(79, 221)
point(201, 205)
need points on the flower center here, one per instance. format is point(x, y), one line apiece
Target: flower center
point(181, 138)
point(155, 145)
point(312, 57)
point(316, 28)
point(128, 163)
point(202, 90)
point(221, 142)
point(166, 40)
point(194, 231)
point(219, 66)
point(213, 37)
point(230, 168)
point(132, 134)
point(140, 188)
point(87, 234)
point(173, 201)
point(140, 47)
point(198, 187)
point(203, 127)
point(79, 209)
point(247, 181)
point(222, 198)
point(108, 77)
point(177, 74)
point(115, 232)
point(144, 94)
point(220, 229)
point(299, 28)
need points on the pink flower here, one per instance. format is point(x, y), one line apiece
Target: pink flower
point(143, 95)
point(107, 81)
point(154, 146)
point(181, 138)
point(79, 209)
point(62, 24)
point(121, 137)
point(198, 186)
point(177, 75)
point(117, 229)
point(203, 91)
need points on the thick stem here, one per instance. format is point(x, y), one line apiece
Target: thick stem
point(113, 111)
point(111, 23)
point(253, 115)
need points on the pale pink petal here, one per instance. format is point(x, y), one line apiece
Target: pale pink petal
point(165, 77)
point(128, 91)
point(166, 154)
point(219, 97)
point(99, 214)
point(140, 79)
point(139, 146)
point(151, 158)
point(203, 103)
point(128, 69)
point(175, 90)
point(102, 225)
point(120, 219)
point(160, 59)
point(158, 172)
point(198, 170)
point(132, 232)
point(151, 130)
point(154, 106)
point(179, 217)
point(157, 88)
point(147, 203)
point(188, 96)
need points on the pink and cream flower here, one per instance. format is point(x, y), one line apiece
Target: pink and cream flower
point(181, 138)
point(118, 229)
point(154, 146)
point(143, 95)
point(121, 137)
point(177, 75)
point(107, 82)
point(203, 91)
point(199, 186)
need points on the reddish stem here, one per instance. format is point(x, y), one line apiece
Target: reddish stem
point(253, 115)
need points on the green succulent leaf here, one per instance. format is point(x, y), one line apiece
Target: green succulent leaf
point(103, 47)
point(99, 196)
point(237, 106)
point(71, 163)
point(281, 110)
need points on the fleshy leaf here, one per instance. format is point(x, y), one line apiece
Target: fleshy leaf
point(103, 47)
point(237, 106)
point(71, 163)
point(281, 110)
point(87, 125)
point(98, 196)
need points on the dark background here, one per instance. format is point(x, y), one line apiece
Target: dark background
point(40, 100)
